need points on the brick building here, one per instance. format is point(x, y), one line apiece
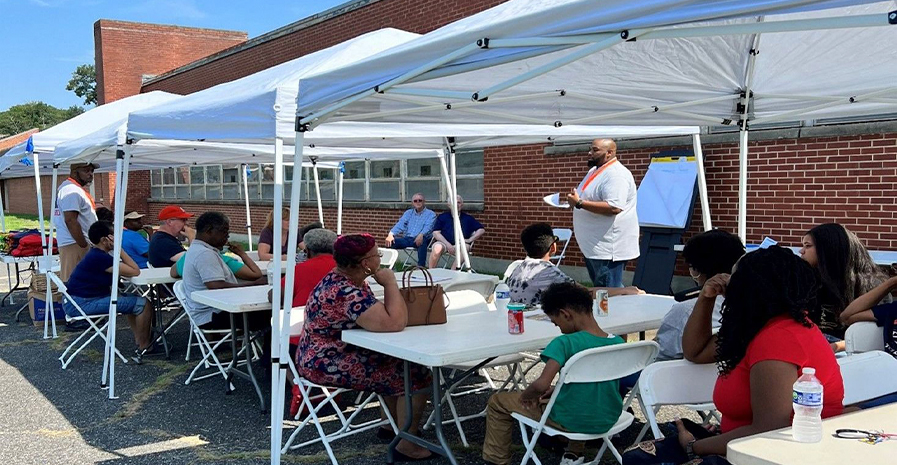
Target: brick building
point(800, 174)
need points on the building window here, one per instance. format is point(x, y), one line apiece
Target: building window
point(364, 181)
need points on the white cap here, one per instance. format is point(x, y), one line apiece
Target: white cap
point(808, 371)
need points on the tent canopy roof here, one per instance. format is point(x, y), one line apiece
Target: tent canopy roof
point(689, 64)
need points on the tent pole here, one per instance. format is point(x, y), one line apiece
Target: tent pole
point(48, 254)
point(123, 157)
point(314, 169)
point(40, 201)
point(244, 167)
point(339, 201)
point(3, 225)
point(456, 224)
point(277, 296)
point(702, 182)
point(742, 184)
point(465, 256)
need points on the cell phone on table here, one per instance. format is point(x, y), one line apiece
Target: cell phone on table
point(698, 431)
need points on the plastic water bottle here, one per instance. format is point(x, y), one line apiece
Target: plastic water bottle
point(502, 297)
point(807, 403)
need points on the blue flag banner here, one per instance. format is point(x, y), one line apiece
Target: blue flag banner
point(342, 167)
point(26, 161)
point(29, 146)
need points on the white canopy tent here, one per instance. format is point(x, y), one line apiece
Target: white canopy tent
point(583, 62)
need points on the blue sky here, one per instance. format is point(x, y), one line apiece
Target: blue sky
point(43, 41)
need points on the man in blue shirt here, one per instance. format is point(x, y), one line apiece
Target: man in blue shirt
point(444, 233)
point(132, 242)
point(414, 229)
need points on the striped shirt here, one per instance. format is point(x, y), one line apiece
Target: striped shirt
point(413, 223)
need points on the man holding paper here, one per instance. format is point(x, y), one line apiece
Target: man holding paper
point(605, 221)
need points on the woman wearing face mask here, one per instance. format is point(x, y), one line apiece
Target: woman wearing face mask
point(707, 254)
point(845, 271)
point(343, 300)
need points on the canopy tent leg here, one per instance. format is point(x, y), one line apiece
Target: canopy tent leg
point(50, 316)
point(462, 257)
point(3, 226)
point(456, 223)
point(742, 184)
point(702, 182)
point(339, 198)
point(245, 169)
point(123, 158)
point(314, 169)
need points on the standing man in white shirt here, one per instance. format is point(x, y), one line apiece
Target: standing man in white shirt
point(75, 213)
point(605, 222)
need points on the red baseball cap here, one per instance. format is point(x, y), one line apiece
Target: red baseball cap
point(174, 211)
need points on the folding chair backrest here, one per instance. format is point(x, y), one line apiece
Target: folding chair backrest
point(867, 376)
point(465, 301)
point(564, 236)
point(863, 336)
point(390, 256)
point(513, 266)
point(57, 281)
point(677, 382)
point(181, 295)
point(297, 320)
point(608, 363)
point(484, 288)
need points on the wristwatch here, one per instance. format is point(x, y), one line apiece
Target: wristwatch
point(578, 204)
point(689, 449)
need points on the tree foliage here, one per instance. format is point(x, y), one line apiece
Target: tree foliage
point(20, 118)
point(84, 83)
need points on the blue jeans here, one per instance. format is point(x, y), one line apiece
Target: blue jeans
point(408, 241)
point(127, 305)
point(605, 273)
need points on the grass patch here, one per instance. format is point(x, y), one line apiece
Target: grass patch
point(162, 382)
point(19, 222)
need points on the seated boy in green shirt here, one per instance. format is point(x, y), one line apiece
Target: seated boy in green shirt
point(579, 407)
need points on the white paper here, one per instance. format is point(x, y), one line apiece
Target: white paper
point(555, 200)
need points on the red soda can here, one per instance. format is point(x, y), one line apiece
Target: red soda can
point(515, 318)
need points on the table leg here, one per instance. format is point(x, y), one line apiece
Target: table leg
point(437, 403)
point(247, 340)
point(233, 350)
point(409, 416)
point(14, 288)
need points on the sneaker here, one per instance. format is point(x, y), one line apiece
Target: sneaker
point(572, 459)
point(137, 357)
point(76, 326)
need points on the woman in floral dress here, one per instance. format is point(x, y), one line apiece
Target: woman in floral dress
point(342, 301)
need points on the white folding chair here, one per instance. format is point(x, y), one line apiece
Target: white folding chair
point(863, 336)
point(484, 288)
point(411, 253)
point(316, 397)
point(389, 258)
point(674, 382)
point(867, 376)
point(564, 236)
point(463, 302)
point(591, 366)
point(97, 325)
point(209, 359)
point(450, 257)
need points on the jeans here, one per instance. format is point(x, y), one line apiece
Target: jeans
point(408, 241)
point(667, 451)
point(605, 273)
point(126, 305)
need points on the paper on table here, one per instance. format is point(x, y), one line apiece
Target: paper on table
point(555, 200)
point(421, 279)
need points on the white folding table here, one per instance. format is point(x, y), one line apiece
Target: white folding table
point(153, 278)
point(238, 300)
point(466, 337)
point(32, 267)
point(628, 313)
point(779, 448)
point(450, 280)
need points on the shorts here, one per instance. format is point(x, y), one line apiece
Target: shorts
point(127, 305)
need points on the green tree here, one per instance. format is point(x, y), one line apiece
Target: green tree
point(20, 118)
point(84, 83)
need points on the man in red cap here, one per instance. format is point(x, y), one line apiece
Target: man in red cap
point(165, 246)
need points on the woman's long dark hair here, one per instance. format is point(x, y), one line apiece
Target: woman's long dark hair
point(766, 283)
point(846, 270)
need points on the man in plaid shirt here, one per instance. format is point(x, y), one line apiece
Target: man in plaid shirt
point(414, 229)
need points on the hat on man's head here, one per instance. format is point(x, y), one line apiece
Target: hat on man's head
point(134, 216)
point(174, 211)
point(83, 165)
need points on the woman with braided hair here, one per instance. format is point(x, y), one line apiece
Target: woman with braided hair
point(342, 301)
point(765, 339)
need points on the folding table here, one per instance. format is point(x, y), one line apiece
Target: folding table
point(153, 278)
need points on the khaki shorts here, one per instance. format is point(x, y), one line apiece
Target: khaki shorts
point(69, 256)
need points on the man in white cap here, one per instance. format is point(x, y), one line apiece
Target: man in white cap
point(132, 242)
point(75, 213)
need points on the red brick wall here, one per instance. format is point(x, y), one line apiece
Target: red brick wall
point(418, 16)
point(126, 51)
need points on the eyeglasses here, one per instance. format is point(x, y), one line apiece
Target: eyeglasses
point(378, 254)
point(556, 239)
point(870, 437)
point(417, 201)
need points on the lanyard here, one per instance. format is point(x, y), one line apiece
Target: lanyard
point(86, 192)
point(588, 180)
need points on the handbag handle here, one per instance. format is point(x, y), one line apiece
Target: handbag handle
point(428, 278)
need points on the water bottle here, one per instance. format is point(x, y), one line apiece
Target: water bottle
point(502, 297)
point(807, 403)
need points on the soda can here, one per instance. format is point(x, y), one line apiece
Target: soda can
point(600, 304)
point(515, 318)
